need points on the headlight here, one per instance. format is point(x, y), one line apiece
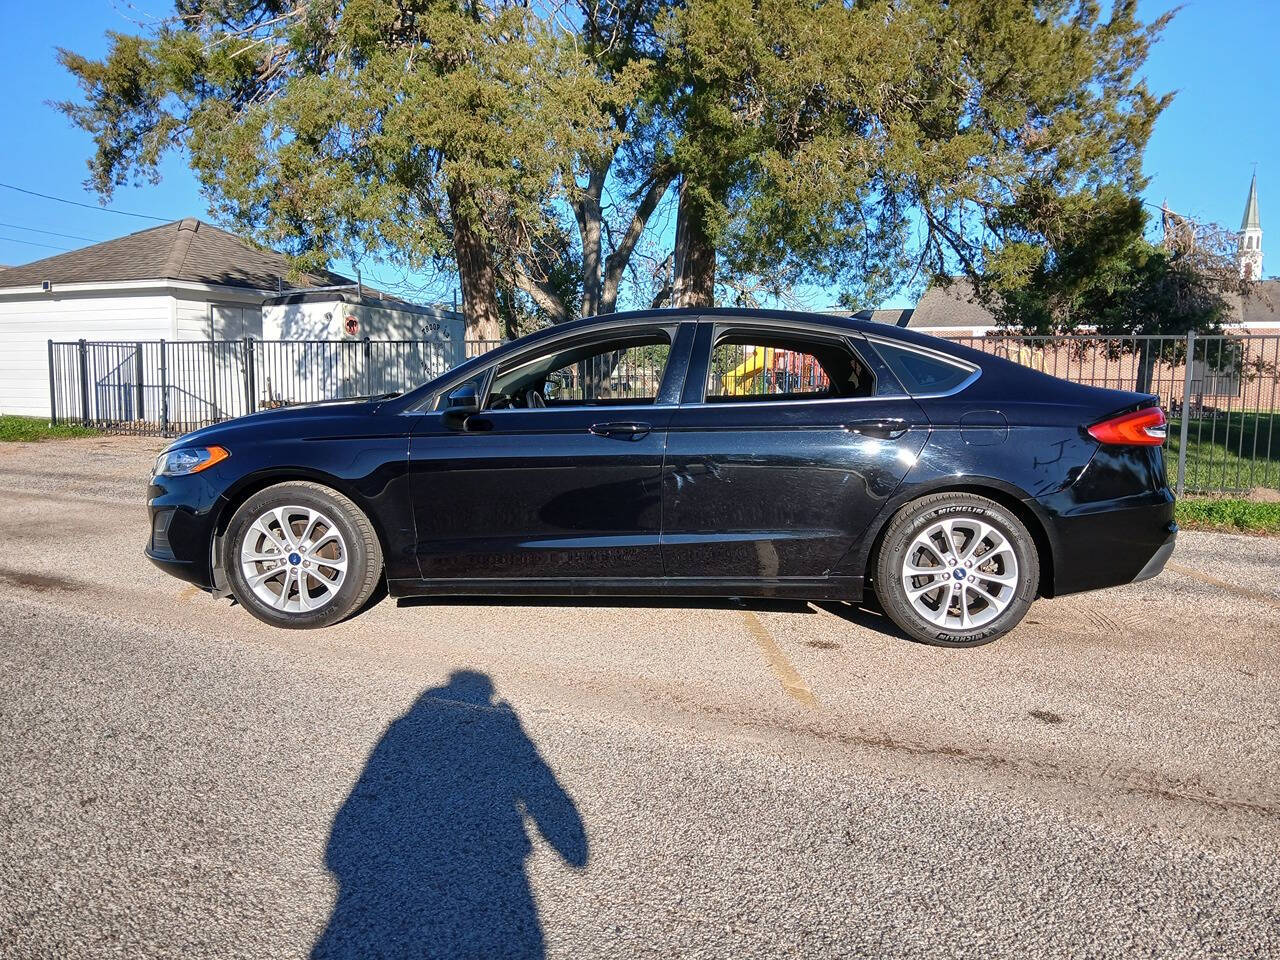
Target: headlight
point(185, 460)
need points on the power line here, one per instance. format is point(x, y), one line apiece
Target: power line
point(32, 243)
point(87, 206)
point(52, 233)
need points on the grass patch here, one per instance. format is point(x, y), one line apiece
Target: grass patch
point(1240, 516)
point(1230, 451)
point(14, 428)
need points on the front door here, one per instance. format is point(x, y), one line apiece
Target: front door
point(785, 447)
point(559, 474)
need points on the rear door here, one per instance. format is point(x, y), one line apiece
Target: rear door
point(786, 444)
point(559, 475)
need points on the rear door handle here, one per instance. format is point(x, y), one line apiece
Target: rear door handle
point(626, 430)
point(886, 429)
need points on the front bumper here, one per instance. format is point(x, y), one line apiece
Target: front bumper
point(183, 513)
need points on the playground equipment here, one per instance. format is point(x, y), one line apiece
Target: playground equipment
point(770, 370)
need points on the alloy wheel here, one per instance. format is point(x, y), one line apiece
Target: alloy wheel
point(960, 573)
point(294, 559)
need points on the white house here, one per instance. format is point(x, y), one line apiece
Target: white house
point(187, 281)
point(408, 344)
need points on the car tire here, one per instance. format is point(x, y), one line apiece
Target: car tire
point(300, 555)
point(956, 570)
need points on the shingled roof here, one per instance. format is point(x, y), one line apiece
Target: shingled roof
point(953, 305)
point(188, 250)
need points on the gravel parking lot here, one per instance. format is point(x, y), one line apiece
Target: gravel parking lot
point(706, 779)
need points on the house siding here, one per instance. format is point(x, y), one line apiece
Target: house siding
point(28, 321)
point(27, 324)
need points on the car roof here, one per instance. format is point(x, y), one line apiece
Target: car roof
point(799, 318)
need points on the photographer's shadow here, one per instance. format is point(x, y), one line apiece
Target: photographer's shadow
point(429, 849)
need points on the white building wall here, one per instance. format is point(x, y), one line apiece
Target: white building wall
point(408, 347)
point(28, 322)
point(227, 316)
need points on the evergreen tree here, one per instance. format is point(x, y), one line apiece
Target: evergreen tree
point(862, 143)
point(423, 132)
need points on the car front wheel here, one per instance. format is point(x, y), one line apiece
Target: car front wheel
point(956, 570)
point(301, 555)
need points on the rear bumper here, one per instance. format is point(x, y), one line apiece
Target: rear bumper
point(1113, 547)
point(1161, 557)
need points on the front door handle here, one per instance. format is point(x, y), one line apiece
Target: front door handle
point(886, 429)
point(627, 430)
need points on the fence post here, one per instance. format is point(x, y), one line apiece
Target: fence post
point(213, 380)
point(368, 368)
point(1186, 414)
point(142, 387)
point(164, 388)
point(53, 390)
point(84, 384)
point(250, 401)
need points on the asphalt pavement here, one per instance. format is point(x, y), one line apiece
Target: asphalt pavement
point(619, 779)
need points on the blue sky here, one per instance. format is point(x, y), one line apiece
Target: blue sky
point(1218, 55)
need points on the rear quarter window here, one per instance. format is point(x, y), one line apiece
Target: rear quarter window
point(923, 372)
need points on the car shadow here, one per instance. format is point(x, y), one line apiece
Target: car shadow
point(429, 848)
point(865, 613)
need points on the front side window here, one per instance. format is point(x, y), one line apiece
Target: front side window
point(622, 371)
point(765, 367)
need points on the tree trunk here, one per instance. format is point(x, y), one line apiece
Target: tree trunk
point(589, 215)
point(1146, 366)
point(617, 261)
point(475, 269)
point(695, 270)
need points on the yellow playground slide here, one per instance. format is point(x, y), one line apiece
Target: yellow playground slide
point(739, 380)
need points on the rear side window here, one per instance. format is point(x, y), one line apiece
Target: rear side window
point(923, 372)
point(763, 367)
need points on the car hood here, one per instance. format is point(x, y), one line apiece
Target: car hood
point(302, 421)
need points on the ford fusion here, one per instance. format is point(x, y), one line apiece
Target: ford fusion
point(684, 453)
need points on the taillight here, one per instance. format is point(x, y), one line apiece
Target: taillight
point(1146, 427)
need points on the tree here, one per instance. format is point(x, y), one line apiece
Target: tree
point(1097, 272)
point(619, 42)
point(856, 144)
point(421, 132)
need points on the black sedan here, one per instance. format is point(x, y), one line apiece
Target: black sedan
point(684, 453)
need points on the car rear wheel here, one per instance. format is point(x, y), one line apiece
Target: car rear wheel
point(956, 570)
point(301, 555)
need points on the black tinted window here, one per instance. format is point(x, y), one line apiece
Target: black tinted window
point(923, 372)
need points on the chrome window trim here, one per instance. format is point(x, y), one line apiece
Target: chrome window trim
point(767, 404)
point(975, 371)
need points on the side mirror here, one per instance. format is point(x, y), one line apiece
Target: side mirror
point(461, 404)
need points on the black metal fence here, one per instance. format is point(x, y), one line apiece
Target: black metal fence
point(1222, 395)
point(168, 387)
point(1221, 392)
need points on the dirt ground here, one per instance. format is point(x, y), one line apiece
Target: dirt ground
point(487, 778)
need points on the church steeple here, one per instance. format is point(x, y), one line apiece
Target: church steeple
point(1250, 242)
